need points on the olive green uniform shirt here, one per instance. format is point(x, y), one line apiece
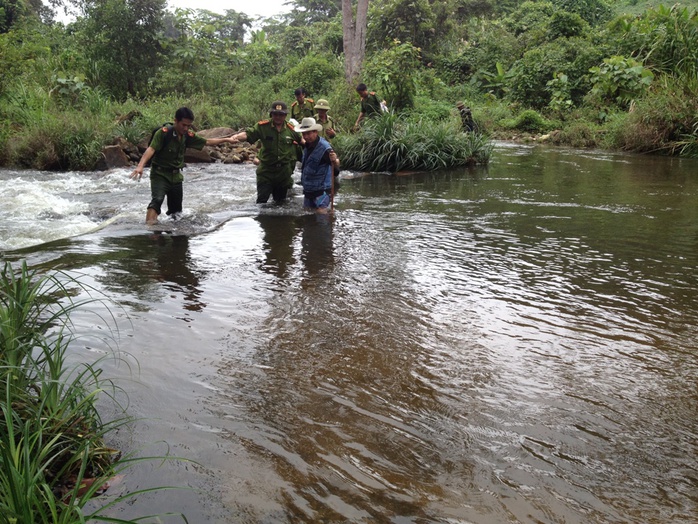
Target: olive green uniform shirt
point(168, 159)
point(325, 126)
point(279, 149)
point(299, 112)
point(370, 105)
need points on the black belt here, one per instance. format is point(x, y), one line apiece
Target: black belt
point(167, 171)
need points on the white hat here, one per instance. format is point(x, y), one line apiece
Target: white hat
point(307, 124)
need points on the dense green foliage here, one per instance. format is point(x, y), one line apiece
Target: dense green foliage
point(580, 64)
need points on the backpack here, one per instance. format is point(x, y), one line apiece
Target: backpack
point(168, 127)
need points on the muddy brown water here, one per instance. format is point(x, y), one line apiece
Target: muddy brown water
point(516, 343)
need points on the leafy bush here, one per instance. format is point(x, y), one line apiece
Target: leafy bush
point(593, 11)
point(529, 121)
point(560, 93)
point(570, 56)
point(315, 73)
point(426, 108)
point(663, 121)
point(394, 72)
point(564, 25)
point(580, 133)
point(662, 38)
point(620, 80)
point(529, 16)
point(403, 20)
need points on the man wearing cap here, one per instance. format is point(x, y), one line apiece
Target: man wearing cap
point(303, 106)
point(279, 151)
point(317, 171)
point(326, 121)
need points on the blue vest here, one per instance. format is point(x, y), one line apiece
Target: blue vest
point(315, 177)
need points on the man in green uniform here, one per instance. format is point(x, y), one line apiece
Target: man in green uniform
point(321, 117)
point(370, 104)
point(166, 149)
point(466, 117)
point(279, 151)
point(302, 107)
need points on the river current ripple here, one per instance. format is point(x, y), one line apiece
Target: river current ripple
point(514, 343)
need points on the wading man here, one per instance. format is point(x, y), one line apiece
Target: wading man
point(280, 150)
point(317, 171)
point(166, 149)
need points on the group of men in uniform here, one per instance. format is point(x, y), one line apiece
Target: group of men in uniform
point(282, 144)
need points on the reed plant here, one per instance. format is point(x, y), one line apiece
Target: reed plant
point(392, 143)
point(53, 456)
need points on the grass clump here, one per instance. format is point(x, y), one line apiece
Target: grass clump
point(391, 143)
point(53, 456)
point(529, 121)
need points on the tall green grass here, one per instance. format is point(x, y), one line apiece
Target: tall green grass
point(392, 143)
point(53, 456)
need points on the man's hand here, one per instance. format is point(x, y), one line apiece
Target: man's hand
point(137, 173)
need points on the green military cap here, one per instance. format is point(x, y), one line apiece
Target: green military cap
point(279, 107)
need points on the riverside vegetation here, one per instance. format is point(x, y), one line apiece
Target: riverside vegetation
point(53, 456)
point(584, 73)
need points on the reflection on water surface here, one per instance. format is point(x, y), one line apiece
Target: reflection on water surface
point(510, 344)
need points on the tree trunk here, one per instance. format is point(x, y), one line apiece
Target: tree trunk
point(354, 38)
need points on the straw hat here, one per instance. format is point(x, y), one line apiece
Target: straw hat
point(307, 124)
point(322, 104)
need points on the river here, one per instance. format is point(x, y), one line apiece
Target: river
point(509, 344)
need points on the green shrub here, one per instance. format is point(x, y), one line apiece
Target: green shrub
point(391, 143)
point(564, 25)
point(394, 71)
point(663, 121)
point(530, 121)
point(620, 80)
point(492, 115)
point(313, 72)
point(579, 133)
point(570, 56)
point(429, 109)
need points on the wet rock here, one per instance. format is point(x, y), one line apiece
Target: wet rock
point(232, 159)
point(216, 132)
point(112, 156)
point(192, 156)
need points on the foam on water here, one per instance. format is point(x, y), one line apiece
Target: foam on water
point(38, 207)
